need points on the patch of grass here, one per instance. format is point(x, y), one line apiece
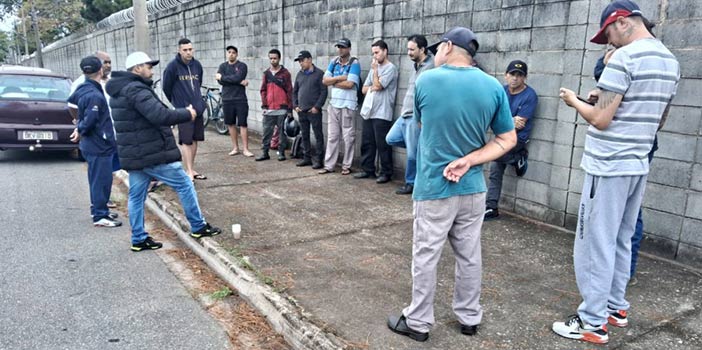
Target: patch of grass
point(221, 294)
point(246, 264)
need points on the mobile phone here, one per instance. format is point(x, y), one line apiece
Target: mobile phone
point(585, 100)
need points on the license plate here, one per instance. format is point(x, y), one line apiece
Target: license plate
point(36, 135)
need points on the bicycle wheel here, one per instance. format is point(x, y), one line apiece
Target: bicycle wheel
point(206, 114)
point(219, 122)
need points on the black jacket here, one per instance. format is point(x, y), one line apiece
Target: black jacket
point(97, 137)
point(142, 122)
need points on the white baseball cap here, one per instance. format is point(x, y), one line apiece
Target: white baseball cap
point(137, 58)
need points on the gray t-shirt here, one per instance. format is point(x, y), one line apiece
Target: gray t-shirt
point(419, 68)
point(646, 73)
point(383, 100)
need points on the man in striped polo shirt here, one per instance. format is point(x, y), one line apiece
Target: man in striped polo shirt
point(633, 98)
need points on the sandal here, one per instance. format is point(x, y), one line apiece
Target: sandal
point(325, 171)
point(345, 171)
point(248, 153)
point(199, 177)
point(234, 152)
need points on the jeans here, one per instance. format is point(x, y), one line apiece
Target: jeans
point(100, 181)
point(405, 133)
point(172, 174)
point(372, 141)
point(269, 122)
point(314, 120)
point(638, 232)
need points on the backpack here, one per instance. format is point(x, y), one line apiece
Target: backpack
point(296, 149)
point(359, 87)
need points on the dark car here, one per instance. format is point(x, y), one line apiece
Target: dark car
point(33, 110)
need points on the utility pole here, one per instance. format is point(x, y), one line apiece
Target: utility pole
point(35, 23)
point(141, 27)
point(24, 31)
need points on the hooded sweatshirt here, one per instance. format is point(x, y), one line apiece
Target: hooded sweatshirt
point(276, 90)
point(181, 84)
point(97, 136)
point(142, 121)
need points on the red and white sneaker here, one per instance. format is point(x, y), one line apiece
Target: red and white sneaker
point(575, 328)
point(617, 318)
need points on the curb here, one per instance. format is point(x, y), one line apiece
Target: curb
point(282, 313)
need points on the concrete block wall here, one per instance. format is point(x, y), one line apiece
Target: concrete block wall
point(550, 35)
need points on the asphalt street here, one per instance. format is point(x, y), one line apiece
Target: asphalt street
point(65, 284)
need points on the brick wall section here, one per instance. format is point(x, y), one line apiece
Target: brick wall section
point(550, 35)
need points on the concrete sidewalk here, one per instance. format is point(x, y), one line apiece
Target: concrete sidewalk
point(341, 248)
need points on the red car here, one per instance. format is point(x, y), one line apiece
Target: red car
point(33, 110)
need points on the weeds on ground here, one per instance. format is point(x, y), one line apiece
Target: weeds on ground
point(221, 293)
point(242, 261)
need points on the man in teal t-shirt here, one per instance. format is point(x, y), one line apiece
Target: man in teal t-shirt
point(455, 105)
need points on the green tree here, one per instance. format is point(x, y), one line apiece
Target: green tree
point(96, 10)
point(56, 19)
point(5, 45)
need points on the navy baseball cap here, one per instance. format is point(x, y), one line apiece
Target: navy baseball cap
point(343, 42)
point(302, 55)
point(619, 8)
point(517, 66)
point(459, 36)
point(90, 65)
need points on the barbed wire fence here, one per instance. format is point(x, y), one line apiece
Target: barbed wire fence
point(117, 18)
point(127, 15)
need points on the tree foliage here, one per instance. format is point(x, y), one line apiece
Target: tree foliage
point(5, 45)
point(96, 10)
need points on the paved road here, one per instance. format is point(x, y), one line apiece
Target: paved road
point(67, 285)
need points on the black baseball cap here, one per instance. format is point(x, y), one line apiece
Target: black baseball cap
point(90, 64)
point(343, 42)
point(459, 36)
point(302, 55)
point(517, 66)
point(232, 47)
point(619, 8)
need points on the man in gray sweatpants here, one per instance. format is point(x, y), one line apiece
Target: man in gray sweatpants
point(449, 191)
point(633, 97)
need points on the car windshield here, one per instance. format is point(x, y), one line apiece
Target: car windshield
point(32, 87)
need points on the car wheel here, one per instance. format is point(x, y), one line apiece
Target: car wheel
point(77, 155)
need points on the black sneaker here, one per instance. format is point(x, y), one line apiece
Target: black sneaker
point(207, 231)
point(263, 156)
point(304, 162)
point(405, 189)
point(491, 214)
point(147, 244)
point(112, 215)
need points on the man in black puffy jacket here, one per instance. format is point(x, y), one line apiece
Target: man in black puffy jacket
point(147, 148)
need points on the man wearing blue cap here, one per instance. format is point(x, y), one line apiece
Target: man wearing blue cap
point(449, 190)
point(634, 95)
point(97, 139)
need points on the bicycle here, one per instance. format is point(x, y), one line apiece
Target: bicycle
point(213, 111)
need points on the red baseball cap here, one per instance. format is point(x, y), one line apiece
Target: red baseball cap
point(621, 8)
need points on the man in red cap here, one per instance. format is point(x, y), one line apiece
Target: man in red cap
point(634, 95)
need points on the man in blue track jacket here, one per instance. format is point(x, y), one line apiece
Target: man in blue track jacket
point(97, 140)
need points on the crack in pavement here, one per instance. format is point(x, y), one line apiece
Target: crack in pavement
point(664, 325)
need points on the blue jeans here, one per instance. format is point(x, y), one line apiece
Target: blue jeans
point(405, 133)
point(100, 181)
point(172, 174)
point(638, 232)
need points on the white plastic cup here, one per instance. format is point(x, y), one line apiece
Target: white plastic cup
point(236, 230)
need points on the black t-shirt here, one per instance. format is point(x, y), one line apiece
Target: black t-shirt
point(232, 76)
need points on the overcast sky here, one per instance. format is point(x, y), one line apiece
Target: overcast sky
point(6, 23)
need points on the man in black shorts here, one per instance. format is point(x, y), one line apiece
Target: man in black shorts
point(182, 79)
point(232, 76)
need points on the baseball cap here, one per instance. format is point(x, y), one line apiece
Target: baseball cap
point(343, 42)
point(90, 64)
point(136, 58)
point(619, 8)
point(302, 55)
point(517, 66)
point(232, 47)
point(459, 36)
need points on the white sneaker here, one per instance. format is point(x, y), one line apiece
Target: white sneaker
point(575, 328)
point(617, 318)
point(107, 222)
